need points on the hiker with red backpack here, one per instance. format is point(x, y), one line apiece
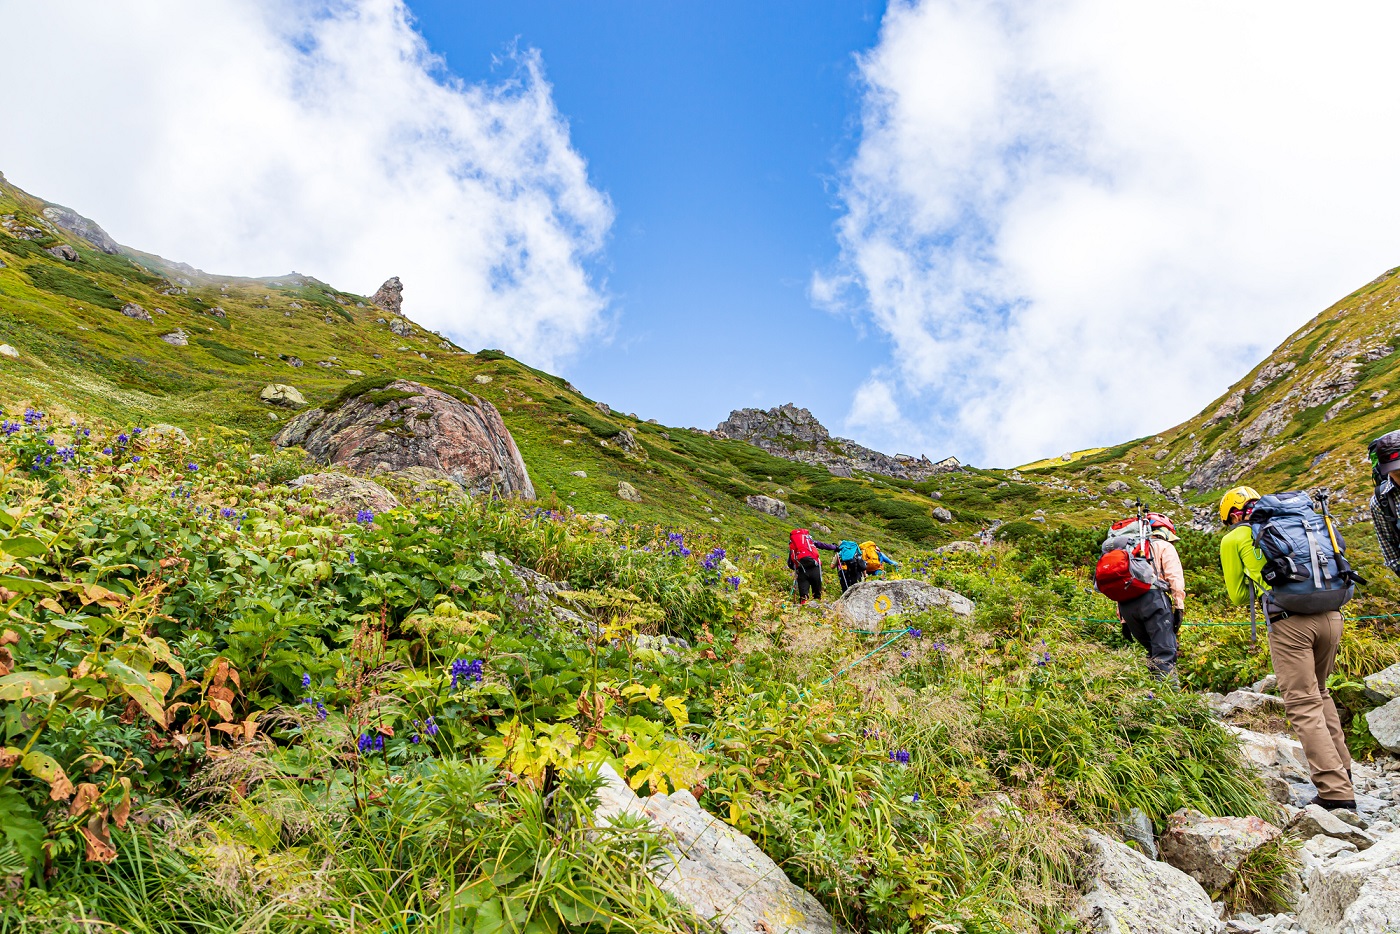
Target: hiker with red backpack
point(805, 563)
point(1280, 548)
point(1142, 574)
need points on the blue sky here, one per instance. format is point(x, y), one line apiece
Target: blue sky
point(715, 128)
point(941, 225)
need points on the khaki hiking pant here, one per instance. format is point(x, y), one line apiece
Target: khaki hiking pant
point(1304, 650)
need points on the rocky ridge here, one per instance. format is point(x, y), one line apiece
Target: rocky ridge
point(795, 434)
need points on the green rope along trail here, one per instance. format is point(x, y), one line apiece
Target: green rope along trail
point(1216, 622)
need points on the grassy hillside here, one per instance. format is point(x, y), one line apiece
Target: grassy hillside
point(79, 351)
point(1301, 419)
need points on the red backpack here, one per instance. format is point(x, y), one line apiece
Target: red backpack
point(800, 545)
point(1125, 570)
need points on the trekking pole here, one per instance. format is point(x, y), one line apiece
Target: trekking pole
point(1253, 624)
point(1322, 497)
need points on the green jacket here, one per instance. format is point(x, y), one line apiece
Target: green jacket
point(1238, 558)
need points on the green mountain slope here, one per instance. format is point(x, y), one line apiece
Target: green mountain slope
point(1300, 419)
point(234, 336)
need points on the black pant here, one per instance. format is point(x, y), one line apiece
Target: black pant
point(850, 573)
point(1148, 621)
point(809, 575)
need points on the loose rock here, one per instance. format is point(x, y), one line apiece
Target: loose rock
point(1384, 686)
point(1384, 724)
point(1210, 849)
point(942, 514)
point(283, 395)
point(176, 338)
point(7, 351)
point(1124, 892)
point(64, 252)
point(869, 602)
point(714, 870)
point(1315, 819)
point(767, 504)
point(628, 492)
point(1334, 886)
point(347, 494)
point(133, 310)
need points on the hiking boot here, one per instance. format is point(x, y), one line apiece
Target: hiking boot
point(1333, 805)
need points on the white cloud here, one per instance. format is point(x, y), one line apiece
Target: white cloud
point(1078, 221)
point(256, 137)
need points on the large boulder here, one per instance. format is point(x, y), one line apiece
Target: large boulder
point(1210, 849)
point(1335, 888)
point(628, 492)
point(283, 395)
point(406, 424)
point(348, 495)
point(1124, 892)
point(869, 602)
point(714, 870)
point(768, 505)
point(133, 310)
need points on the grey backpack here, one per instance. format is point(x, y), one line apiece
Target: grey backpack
point(1305, 561)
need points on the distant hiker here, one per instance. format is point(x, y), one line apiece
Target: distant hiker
point(1135, 572)
point(875, 559)
point(1385, 501)
point(850, 564)
point(1167, 563)
point(1280, 547)
point(805, 563)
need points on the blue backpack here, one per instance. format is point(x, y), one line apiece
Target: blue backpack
point(848, 551)
point(1305, 561)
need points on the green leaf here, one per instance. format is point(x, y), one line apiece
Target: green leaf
point(25, 584)
point(25, 684)
point(490, 918)
point(22, 546)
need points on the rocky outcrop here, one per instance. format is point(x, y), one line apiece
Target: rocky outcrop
point(795, 434)
point(7, 351)
point(1124, 892)
point(348, 495)
point(133, 310)
point(390, 295)
point(64, 252)
point(75, 223)
point(283, 395)
point(768, 505)
point(401, 327)
point(176, 338)
point(628, 492)
point(942, 514)
point(869, 602)
point(407, 424)
point(712, 869)
point(1211, 849)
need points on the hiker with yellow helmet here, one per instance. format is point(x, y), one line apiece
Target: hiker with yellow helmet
point(1256, 558)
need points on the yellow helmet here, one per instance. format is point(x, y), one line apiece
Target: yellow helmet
point(1236, 499)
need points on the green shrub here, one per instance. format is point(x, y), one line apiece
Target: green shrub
point(60, 281)
point(226, 354)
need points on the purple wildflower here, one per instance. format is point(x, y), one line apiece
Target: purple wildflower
point(900, 756)
point(364, 517)
point(464, 671)
point(227, 513)
point(305, 679)
point(432, 727)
